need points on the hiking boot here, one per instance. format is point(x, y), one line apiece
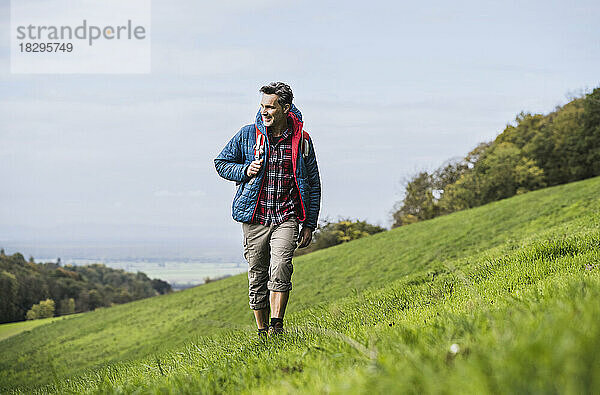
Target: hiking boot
point(262, 333)
point(275, 330)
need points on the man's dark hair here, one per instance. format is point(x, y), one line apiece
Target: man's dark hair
point(280, 89)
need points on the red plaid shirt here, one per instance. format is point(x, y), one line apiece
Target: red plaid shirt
point(278, 199)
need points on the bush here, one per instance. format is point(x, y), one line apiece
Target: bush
point(44, 309)
point(329, 234)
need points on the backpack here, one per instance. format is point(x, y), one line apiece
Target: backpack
point(259, 147)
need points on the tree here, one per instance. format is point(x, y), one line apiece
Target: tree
point(75, 288)
point(44, 309)
point(528, 176)
point(418, 201)
point(589, 144)
point(8, 297)
point(95, 299)
point(505, 172)
point(124, 297)
point(34, 312)
point(66, 306)
point(462, 194)
point(18, 259)
point(449, 173)
point(47, 308)
point(162, 287)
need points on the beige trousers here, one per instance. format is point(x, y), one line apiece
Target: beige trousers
point(269, 251)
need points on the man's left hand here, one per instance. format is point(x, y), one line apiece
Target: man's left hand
point(304, 237)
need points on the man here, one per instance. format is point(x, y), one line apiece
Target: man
point(278, 188)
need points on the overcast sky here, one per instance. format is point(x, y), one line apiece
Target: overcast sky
point(386, 89)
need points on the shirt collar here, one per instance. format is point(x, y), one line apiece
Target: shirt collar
point(286, 133)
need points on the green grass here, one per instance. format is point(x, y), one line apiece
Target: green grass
point(14, 328)
point(514, 284)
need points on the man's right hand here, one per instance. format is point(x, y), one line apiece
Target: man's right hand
point(254, 167)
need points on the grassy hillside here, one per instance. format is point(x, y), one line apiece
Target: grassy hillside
point(520, 322)
point(14, 328)
point(501, 281)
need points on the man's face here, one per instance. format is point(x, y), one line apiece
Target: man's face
point(271, 111)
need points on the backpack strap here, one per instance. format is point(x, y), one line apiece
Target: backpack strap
point(259, 146)
point(259, 149)
point(305, 144)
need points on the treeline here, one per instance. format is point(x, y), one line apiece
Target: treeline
point(330, 233)
point(30, 290)
point(536, 152)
